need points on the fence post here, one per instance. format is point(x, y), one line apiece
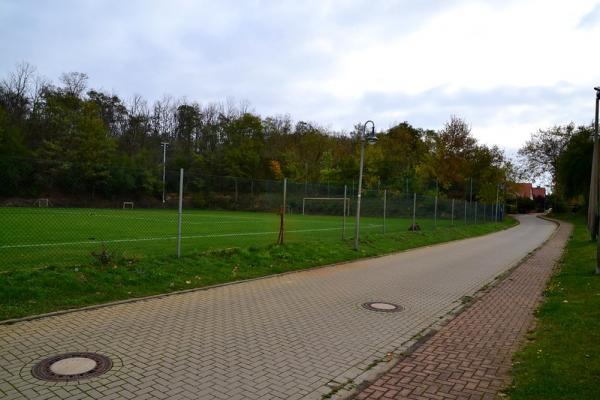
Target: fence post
point(384, 207)
point(180, 212)
point(236, 190)
point(414, 210)
point(345, 211)
point(435, 212)
point(465, 212)
point(497, 205)
point(452, 218)
point(476, 205)
point(484, 216)
point(284, 209)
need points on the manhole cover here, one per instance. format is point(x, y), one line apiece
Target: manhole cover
point(71, 367)
point(382, 306)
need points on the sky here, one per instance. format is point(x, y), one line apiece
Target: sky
point(508, 67)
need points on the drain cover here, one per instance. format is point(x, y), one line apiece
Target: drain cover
point(382, 306)
point(71, 367)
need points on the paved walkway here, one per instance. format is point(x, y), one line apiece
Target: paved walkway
point(470, 358)
point(283, 337)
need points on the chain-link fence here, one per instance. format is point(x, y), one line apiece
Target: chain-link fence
point(212, 214)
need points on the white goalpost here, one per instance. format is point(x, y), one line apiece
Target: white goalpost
point(127, 204)
point(344, 200)
point(42, 203)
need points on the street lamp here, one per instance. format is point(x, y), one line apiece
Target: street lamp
point(364, 138)
point(164, 145)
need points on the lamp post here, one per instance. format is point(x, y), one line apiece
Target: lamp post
point(371, 139)
point(164, 145)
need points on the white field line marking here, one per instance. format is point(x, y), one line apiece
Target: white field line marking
point(174, 214)
point(18, 246)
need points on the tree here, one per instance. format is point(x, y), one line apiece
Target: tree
point(541, 152)
point(574, 164)
point(74, 83)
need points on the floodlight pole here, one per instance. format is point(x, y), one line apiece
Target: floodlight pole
point(597, 89)
point(164, 145)
point(363, 139)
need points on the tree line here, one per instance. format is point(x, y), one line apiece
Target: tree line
point(73, 140)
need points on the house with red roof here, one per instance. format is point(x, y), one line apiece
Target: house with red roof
point(538, 192)
point(524, 190)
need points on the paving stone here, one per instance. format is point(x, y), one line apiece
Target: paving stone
point(496, 324)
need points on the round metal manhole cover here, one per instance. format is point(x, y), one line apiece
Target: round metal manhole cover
point(71, 367)
point(382, 306)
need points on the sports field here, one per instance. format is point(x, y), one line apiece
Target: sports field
point(67, 236)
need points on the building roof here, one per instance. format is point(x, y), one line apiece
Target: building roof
point(539, 192)
point(524, 190)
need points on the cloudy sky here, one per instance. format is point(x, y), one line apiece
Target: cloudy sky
point(509, 67)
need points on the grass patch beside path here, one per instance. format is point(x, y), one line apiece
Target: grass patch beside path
point(562, 358)
point(31, 291)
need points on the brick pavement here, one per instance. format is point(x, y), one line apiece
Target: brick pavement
point(284, 337)
point(470, 357)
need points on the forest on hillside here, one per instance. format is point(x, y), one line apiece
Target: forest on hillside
point(69, 139)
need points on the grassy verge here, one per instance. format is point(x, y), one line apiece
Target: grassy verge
point(562, 357)
point(31, 291)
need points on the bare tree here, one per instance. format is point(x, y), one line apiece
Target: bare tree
point(15, 88)
point(18, 82)
point(74, 83)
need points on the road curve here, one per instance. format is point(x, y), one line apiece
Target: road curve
point(283, 337)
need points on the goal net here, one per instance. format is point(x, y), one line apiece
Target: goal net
point(128, 204)
point(42, 203)
point(307, 201)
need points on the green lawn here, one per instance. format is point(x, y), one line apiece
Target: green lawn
point(38, 237)
point(562, 358)
point(46, 261)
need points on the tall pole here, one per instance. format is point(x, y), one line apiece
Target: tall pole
point(384, 207)
point(362, 139)
point(414, 224)
point(597, 89)
point(437, 189)
point(164, 144)
point(180, 213)
point(496, 207)
point(305, 178)
point(358, 196)
point(284, 209)
point(471, 196)
point(345, 211)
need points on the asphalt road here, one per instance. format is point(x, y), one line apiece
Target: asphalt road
point(283, 337)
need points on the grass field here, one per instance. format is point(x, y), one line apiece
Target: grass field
point(562, 357)
point(49, 236)
point(46, 262)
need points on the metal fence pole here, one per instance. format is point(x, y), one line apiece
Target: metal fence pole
point(414, 210)
point(435, 212)
point(284, 209)
point(476, 205)
point(465, 212)
point(496, 207)
point(345, 211)
point(180, 212)
point(484, 215)
point(384, 207)
point(452, 218)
